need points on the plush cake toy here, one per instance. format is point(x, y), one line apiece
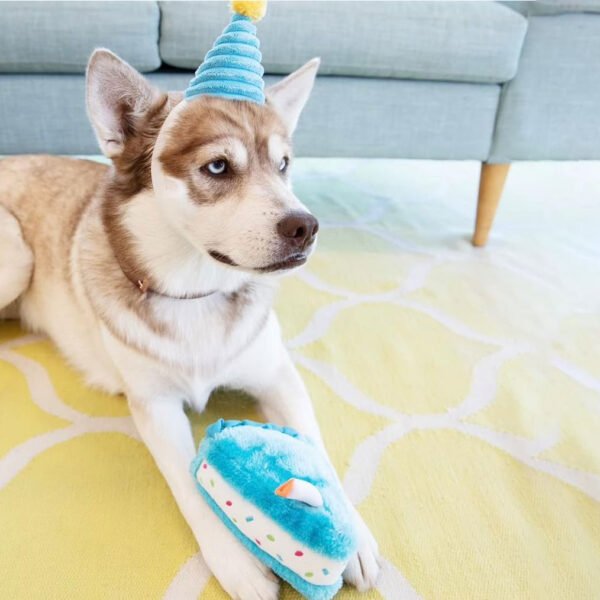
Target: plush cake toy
point(276, 492)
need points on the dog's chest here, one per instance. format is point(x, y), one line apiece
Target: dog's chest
point(203, 338)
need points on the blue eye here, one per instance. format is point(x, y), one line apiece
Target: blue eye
point(283, 165)
point(217, 167)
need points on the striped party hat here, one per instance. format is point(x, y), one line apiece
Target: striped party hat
point(232, 69)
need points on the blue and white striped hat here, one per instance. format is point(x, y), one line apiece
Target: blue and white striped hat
point(232, 68)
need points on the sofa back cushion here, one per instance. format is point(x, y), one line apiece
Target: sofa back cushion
point(454, 41)
point(58, 37)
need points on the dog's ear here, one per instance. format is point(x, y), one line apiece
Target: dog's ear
point(289, 95)
point(117, 99)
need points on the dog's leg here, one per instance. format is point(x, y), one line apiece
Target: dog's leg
point(165, 429)
point(285, 401)
point(16, 260)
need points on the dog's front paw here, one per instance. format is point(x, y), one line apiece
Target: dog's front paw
point(363, 569)
point(240, 573)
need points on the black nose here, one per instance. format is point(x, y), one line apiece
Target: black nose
point(298, 229)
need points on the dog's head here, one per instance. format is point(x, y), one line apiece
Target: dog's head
point(219, 168)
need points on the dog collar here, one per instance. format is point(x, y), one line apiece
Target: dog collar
point(143, 287)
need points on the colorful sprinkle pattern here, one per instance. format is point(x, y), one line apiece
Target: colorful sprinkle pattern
point(268, 535)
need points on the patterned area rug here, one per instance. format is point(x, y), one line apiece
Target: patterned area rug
point(458, 391)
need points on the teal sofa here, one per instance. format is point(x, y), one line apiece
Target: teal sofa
point(488, 81)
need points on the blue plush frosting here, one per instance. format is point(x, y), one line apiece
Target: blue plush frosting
point(232, 69)
point(256, 459)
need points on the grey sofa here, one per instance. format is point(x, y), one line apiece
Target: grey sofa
point(489, 81)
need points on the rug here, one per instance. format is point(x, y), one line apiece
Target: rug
point(458, 390)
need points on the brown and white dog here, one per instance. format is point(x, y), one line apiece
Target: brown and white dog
point(155, 277)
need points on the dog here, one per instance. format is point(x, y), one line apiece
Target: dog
point(155, 276)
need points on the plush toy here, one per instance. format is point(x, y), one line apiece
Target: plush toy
point(231, 68)
point(277, 493)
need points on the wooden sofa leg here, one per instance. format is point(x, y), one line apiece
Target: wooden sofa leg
point(491, 184)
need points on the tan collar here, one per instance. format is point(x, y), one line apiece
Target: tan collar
point(143, 286)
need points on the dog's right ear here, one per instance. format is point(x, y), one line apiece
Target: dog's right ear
point(117, 99)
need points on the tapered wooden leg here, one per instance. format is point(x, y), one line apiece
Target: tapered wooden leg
point(491, 184)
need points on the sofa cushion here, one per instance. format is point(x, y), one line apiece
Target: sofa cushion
point(454, 41)
point(550, 110)
point(412, 119)
point(59, 36)
point(553, 7)
point(558, 7)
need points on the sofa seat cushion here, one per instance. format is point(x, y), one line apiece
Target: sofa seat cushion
point(412, 119)
point(453, 41)
point(58, 37)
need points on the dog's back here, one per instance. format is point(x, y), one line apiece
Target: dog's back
point(46, 195)
point(42, 202)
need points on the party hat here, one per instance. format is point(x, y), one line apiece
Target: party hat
point(232, 69)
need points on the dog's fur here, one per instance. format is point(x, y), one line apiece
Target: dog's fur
point(155, 277)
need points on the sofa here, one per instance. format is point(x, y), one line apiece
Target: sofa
point(494, 82)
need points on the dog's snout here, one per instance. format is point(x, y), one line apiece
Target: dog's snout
point(298, 229)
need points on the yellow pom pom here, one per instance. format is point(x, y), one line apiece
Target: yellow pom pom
point(253, 9)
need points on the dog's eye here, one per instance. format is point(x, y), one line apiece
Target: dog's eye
point(283, 165)
point(217, 167)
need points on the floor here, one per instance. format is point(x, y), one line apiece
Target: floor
point(458, 390)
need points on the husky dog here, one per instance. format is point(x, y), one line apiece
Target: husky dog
point(155, 276)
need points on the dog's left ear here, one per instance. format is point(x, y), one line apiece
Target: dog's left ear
point(289, 95)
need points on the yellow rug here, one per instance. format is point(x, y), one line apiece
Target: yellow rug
point(458, 391)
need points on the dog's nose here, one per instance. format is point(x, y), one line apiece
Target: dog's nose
point(298, 229)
